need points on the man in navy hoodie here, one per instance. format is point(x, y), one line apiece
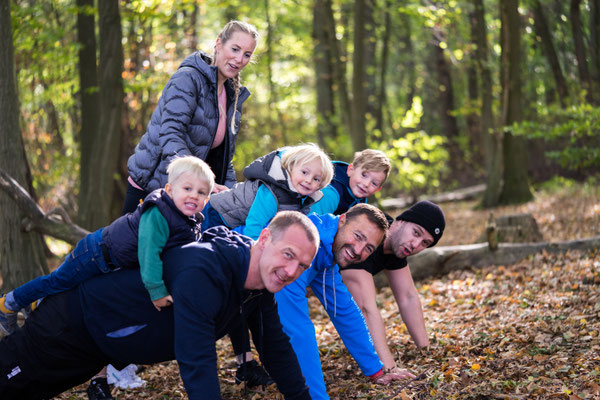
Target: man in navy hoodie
point(215, 283)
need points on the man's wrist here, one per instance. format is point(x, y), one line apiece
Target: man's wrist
point(376, 375)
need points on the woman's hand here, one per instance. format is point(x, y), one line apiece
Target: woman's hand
point(219, 188)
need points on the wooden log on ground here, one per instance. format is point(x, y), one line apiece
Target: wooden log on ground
point(442, 260)
point(456, 195)
point(55, 223)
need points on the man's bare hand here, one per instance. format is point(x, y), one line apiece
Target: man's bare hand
point(394, 374)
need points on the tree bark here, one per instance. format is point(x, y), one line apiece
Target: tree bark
point(323, 57)
point(106, 149)
point(359, 94)
point(580, 53)
point(89, 93)
point(338, 60)
point(491, 139)
point(385, 52)
point(371, 66)
point(595, 42)
point(277, 126)
point(541, 27)
point(22, 255)
point(516, 183)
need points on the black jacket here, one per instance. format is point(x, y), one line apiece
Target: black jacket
point(206, 280)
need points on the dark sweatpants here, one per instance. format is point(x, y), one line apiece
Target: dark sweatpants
point(51, 353)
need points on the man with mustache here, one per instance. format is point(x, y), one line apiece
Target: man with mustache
point(419, 227)
point(346, 239)
point(216, 283)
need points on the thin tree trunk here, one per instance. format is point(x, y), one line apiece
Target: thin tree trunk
point(322, 53)
point(339, 69)
point(89, 92)
point(595, 42)
point(473, 117)
point(410, 60)
point(445, 102)
point(580, 53)
point(21, 253)
point(541, 27)
point(385, 52)
point(359, 100)
point(279, 125)
point(106, 149)
point(370, 67)
point(516, 183)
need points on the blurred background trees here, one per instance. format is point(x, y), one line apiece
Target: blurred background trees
point(503, 92)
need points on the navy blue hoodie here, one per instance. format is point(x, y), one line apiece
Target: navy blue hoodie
point(206, 280)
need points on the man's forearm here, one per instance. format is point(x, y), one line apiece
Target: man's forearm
point(412, 315)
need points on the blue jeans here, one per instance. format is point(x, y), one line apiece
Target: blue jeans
point(83, 263)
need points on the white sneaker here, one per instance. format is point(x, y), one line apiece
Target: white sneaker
point(125, 378)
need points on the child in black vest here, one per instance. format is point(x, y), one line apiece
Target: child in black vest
point(166, 218)
point(353, 183)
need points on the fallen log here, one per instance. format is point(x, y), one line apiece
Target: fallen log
point(456, 195)
point(55, 223)
point(442, 260)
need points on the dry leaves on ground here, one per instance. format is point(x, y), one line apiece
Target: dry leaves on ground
point(524, 331)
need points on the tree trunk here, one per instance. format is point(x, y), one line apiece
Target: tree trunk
point(516, 183)
point(21, 253)
point(89, 92)
point(370, 67)
point(106, 149)
point(385, 51)
point(491, 139)
point(277, 126)
point(541, 27)
point(338, 61)
point(323, 59)
point(580, 53)
point(473, 117)
point(595, 42)
point(445, 102)
point(359, 96)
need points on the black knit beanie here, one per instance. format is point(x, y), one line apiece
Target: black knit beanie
point(428, 215)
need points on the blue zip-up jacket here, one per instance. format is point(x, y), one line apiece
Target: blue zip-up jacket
point(337, 196)
point(206, 280)
point(326, 282)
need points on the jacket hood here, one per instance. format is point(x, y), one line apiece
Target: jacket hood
point(201, 62)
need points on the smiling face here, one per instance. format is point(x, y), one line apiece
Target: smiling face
point(234, 54)
point(283, 259)
point(189, 193)
point(364, 183)
point(307, 177)
point(355, 240)
point(407, 238)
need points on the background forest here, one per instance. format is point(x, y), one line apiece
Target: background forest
point(502, 92)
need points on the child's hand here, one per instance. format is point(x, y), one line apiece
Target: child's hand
point(163, 302)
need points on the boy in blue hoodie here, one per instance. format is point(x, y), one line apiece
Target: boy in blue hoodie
point(166, 218)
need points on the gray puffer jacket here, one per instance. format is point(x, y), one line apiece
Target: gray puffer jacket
point(185, 123)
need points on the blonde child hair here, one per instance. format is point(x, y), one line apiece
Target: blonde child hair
point(192, 165)
point(372, 160)
point(295, 156)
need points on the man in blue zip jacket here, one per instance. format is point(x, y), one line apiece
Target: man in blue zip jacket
point(215, 283)
point(346, 239)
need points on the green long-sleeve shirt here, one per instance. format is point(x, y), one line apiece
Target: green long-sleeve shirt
point(153, 233)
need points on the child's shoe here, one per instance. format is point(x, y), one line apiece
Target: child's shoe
point(99, 389)
point(254, 374)
point(8, 318)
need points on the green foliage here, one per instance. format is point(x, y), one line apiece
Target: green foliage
point(574, 130)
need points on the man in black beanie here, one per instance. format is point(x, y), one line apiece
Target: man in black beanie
point(419, 227)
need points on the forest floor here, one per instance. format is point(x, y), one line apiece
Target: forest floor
point(523, 331)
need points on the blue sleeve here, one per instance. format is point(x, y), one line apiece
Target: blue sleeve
point(292, 305)
point(263, 209)
point(347, 319)
point(328, 203)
